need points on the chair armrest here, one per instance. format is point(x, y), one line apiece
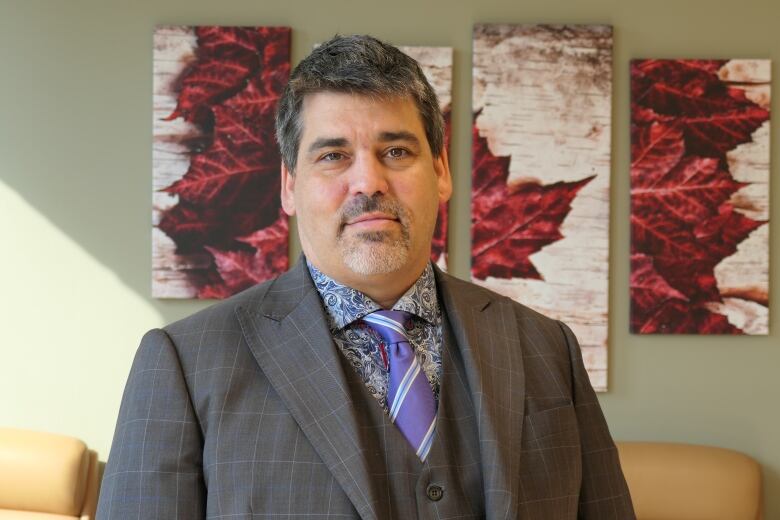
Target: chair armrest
point(689, 482)
point(44, 472)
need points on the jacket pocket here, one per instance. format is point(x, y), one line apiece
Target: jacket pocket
point(551, 427)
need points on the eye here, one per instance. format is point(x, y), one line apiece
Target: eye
point(332, 156)
point(397, 153)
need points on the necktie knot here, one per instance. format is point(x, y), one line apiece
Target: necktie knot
point(389, 325)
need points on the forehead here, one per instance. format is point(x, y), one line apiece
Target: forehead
point(337, 114)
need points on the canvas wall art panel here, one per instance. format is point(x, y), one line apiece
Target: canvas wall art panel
point(700, 196)
point(540, 173)
point(436, 64)
point(217, 222)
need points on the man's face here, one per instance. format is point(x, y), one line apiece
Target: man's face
point(366, 188)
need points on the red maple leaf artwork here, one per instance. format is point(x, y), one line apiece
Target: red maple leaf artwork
point(240, 269)
point(683, 223)
point(511, 221)
point(228, 205)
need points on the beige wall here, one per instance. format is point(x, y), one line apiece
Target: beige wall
point(75, 180)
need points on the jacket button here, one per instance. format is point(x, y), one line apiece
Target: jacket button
point(434, 492)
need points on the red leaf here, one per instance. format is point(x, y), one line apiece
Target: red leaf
point(689, 190)
point(509, 223)
point(229, 42)
point(488, 178)
point(678, 317)
point(644, 116)
point(653, 148)
point(229, 198)
point(269, 238)
point(684, 120)
point(662, 70)
point(682, 87)
point(276, 59)
point(713, 116)
point(259, 99)
point(707, 136)
point(210, 81)
point(215, 291)
point(240, 269)
point(656, 307)
point(713, 136)
point(666, 99)
point(649, 290)
point(241, 160)
point(686, 231)
point(189, 226)
point(228, 57)
point(236, 268)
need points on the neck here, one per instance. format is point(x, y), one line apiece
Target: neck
point(385, 289)
point(385, 293)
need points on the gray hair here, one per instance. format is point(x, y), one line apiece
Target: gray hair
point(355, 64)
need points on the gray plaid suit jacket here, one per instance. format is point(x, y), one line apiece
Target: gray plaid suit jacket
point(241, 411)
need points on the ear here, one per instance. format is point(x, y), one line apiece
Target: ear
point(288, 190)
point(441, 165)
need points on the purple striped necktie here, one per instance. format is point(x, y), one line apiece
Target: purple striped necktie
point(409, 396)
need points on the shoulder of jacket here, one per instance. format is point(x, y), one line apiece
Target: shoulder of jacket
point(522, 311)
point(220, 313)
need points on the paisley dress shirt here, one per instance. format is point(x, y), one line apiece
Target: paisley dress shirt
point(362, 347)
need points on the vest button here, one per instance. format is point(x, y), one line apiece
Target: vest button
point(434, 492)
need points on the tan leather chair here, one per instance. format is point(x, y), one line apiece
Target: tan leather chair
point(44, 476)
point(687, 482)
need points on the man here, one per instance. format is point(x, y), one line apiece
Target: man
point(363, 383)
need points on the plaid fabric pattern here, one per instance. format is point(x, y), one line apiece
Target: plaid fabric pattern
point(243, 411)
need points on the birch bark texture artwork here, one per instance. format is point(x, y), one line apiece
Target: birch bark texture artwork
point(217, 222)
point(436, 64)
point(700, 196)
point(540, 173)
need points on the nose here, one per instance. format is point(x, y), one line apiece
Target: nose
point(368, 176)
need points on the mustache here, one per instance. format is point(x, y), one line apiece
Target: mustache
point(362, 204)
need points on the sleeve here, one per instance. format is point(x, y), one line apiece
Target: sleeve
point(154, 469)
point(604, 494)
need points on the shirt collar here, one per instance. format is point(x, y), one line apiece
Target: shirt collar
point(344, 305)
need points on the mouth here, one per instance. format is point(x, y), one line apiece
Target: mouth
point(371, 220)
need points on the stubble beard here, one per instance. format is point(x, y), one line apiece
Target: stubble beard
point(375, 252)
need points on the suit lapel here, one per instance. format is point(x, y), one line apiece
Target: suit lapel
point(288, 334)
point(485, 329)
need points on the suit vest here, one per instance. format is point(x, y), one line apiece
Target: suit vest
point(449, 483)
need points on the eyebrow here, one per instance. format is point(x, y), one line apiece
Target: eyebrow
point(402, 135)
point(327, 142)
point(385, 137)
